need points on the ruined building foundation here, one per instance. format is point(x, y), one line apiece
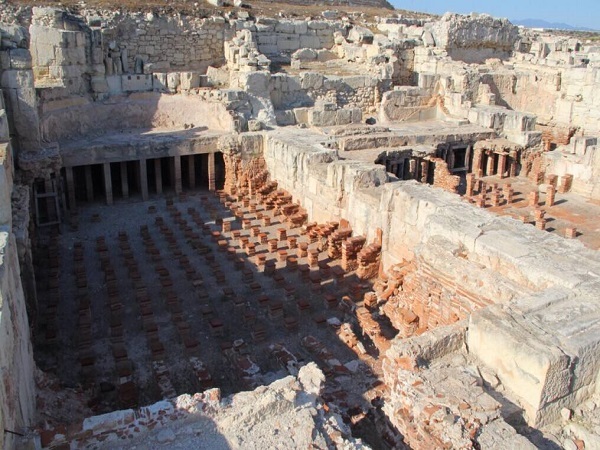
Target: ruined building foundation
point(231, 228)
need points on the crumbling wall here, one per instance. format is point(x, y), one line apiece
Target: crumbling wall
point(161, 43)
point(286, 36)
point(59, 47)
point(437, 398)
point(475, 37)
point(289, 92)
point(18, 89)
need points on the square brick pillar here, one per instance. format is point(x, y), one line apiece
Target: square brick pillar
point(477, 169)
point(424, 171)
point(158, 176)
point(470, 184)
point(550, 195)
point(211, 172)
point(89, 184)
point(108, 190)
point(124, 180)
point(502, 165)
point(70, 187)
point(192, 171)
point(177, 174)
point(489, 167)
point(143, 179)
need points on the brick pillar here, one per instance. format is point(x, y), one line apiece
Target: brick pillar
point(565, 183)
point(477, 169)
point(550, 194)
point(502, 165)
point(108, 190)
point(470, 184)
point(211, 172)
point(489, 168)
point(424, 171)
point(571, 233)
point(158, 175)
point(482, 187)
point(177, 174)
point(495, 198)
point(513, 167)
point(70, 187)
point(411, 169)
point(143, 179)
point(89, 184)
point(192, 171)
point(124, 180)
point(534, 198)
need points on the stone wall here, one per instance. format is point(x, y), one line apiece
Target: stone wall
point(474, 37)
point(17, 390)
point(286, 36)
point(60, 46)
point(478, 258)
point(72, 118)
point(19, 102)
point(163, 43)
point(289, 92)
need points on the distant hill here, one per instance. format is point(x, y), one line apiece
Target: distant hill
point(537, 23)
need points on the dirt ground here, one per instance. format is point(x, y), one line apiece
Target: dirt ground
point(569, 210)
point(202, 9)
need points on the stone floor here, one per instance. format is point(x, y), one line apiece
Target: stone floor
point(142, 301)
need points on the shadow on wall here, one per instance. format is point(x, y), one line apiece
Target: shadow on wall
point(78, 117)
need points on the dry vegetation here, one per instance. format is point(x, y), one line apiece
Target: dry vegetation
point(201, 8)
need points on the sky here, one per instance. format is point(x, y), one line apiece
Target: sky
point(579, 13)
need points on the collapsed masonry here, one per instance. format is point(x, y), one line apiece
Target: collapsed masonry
point(336, 190)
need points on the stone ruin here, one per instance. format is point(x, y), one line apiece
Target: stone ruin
point(238, 229)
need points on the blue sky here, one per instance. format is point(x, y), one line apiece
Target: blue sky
point(581, 13)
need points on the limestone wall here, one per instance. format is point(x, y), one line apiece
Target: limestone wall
point(17, 390)
point(563, 96)
point(72, 118)
point(17, 82)
point(474, 37)
point(287, 36)
point(479, 259)
point(163, 42)
point(59, 48)
point(289, 92)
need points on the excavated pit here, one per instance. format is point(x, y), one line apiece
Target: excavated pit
point(240, 231)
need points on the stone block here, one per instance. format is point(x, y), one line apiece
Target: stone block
point(136, 83)
point(311, 80)
point(285, 117)
point(189, 80)
point(285, 44)
point(20, 59)
point(114, 84)
point(16, 79)
point(301, 115)
point(300, 27)
point(343, 117)
point(286, 27)
point(307, 41)
point(173, 81)
point(100, 85)
point(318, 118)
